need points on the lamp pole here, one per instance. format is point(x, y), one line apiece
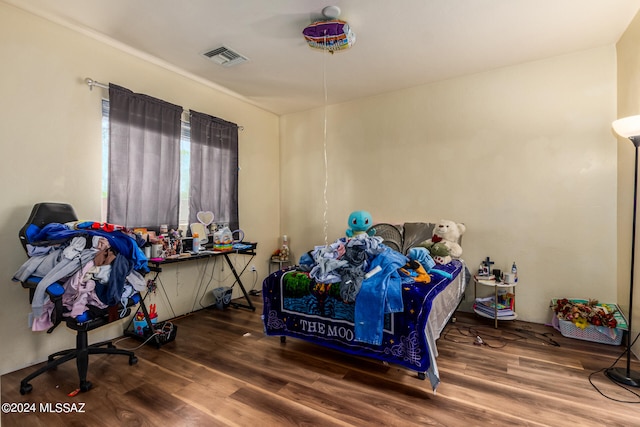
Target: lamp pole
point(620, 375)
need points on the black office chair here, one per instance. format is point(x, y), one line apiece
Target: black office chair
point(41, 215)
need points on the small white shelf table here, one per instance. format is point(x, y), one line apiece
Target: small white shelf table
point(280, 263)
point(496, 286)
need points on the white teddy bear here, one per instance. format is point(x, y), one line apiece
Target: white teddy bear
point(448, 233)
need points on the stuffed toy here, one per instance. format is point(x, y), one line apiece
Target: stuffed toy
point(448, 233)
point(440, 253)
point(360, 222)
point(422, 264)
point(415, 270)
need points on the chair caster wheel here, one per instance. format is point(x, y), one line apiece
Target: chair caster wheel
point(85, 386)
point(133, 360)
point(422, 376)
point(25, 388)
point(283, 339)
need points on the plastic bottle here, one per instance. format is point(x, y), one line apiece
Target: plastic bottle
point(284, 251)
point(217, 239)
point(196, 243)
point(226, 238)
point(147, 248)
point(514, 271)
point(223, 238)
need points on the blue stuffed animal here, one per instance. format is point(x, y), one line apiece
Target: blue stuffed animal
point(360, 222)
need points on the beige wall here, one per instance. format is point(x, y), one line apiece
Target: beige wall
point(628, 105)
point(51, 149)
point(523, 155)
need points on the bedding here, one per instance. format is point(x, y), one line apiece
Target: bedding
point(298, 305)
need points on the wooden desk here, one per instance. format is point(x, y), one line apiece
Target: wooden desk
point(155, 264)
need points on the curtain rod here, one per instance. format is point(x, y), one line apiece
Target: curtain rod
point(91, 83)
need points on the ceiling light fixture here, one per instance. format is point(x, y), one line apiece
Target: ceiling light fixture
point(331, 12)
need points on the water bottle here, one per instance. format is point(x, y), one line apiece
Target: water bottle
point(196, 243)
point(514, 271)
point(284, 251)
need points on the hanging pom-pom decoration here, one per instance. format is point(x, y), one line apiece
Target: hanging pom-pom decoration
point(331, 35)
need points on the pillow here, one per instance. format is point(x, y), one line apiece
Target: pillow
point(416, 233)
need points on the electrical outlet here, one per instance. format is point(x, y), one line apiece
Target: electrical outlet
point(252, 268)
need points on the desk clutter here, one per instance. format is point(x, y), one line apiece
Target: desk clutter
point(171, 244)
point(486, 272)
point(222, 295)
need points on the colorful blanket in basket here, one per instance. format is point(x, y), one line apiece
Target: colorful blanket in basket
point(601, 334)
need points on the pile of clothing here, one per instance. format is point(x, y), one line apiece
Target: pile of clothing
point(371, 275)
point(98, 267)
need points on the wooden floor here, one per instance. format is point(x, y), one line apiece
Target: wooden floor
point(223, 371)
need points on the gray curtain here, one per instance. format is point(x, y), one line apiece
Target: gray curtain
point(214, 169)
point(144, 160)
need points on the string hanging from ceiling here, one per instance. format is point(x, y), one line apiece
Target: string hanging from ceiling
point(324, 150)
point(329, 35)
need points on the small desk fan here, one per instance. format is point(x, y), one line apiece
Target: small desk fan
point(391, 236)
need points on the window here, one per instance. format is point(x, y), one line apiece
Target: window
point(185, 160)
point(215, 175)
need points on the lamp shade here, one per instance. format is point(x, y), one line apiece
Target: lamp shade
point(627, 127)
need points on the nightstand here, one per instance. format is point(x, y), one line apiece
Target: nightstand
point(280, 263)
point(487, 307)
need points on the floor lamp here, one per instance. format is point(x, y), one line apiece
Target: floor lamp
point(629, 127)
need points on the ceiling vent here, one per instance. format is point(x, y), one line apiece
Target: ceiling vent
point(225, 56)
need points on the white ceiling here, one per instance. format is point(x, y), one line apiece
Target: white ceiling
point(400, 44)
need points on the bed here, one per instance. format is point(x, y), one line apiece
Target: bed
point(299, 306)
